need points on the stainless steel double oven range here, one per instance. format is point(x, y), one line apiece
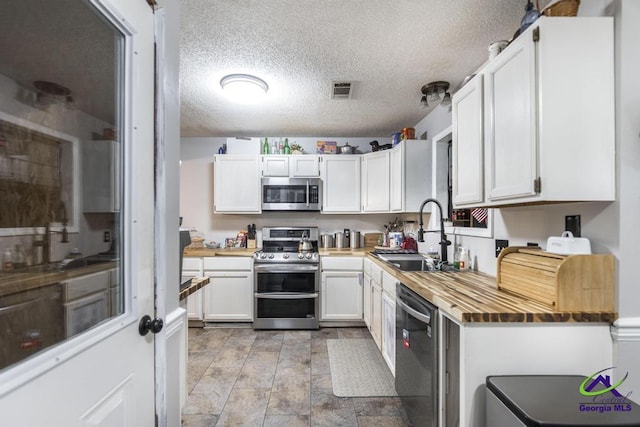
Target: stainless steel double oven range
point(286, 280)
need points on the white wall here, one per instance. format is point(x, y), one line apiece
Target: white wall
point(611, 227)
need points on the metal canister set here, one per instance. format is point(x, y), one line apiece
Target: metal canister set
point(341, 240)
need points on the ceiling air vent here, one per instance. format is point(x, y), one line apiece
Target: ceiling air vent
point(341, 90)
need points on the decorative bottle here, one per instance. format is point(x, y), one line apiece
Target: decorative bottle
point(286, 148)
point(265, 146)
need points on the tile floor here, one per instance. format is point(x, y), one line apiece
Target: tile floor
point(242, 377)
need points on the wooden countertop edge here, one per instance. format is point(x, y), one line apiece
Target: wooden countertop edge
point(196, 284)
point(19, 282)
point(460, 295)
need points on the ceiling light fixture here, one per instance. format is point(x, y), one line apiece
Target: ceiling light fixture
point(244, 88)
point(435, 92)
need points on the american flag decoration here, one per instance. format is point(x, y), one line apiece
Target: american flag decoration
point(480, 214)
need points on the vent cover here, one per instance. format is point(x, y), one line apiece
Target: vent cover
point(341, 90)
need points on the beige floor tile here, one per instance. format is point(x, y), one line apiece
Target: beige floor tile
point(245, 407)
point(380, 421)
point(286, 421)
point(292, 376)
point(290, 401)
point(258, 370)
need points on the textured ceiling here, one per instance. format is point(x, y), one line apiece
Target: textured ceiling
point(388, 48)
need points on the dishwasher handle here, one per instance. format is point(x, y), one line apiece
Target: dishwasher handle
point(424, 317)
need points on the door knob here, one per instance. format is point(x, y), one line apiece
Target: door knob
point(147, 324)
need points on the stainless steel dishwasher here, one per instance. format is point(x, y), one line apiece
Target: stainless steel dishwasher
point(417, 356)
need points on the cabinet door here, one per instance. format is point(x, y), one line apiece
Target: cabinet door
point(194, 301)
point(304, 166)
point(468, 149)
point(389, 331)
point(341, 184)
point(341, 297)
point(236, 187)
point(375, 182)
point(366, 303)
point(396, 178)
point(275, 165)
point(376, 313)
point(229, 296)
point(510, 110)
point(100, 172)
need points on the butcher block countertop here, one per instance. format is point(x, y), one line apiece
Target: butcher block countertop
point(474, 297)
point(196, 284)
point(205, 252)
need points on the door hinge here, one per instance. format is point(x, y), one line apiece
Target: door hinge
point(536, 34)
point(537, 185)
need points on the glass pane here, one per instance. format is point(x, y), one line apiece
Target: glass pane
point(60, 151)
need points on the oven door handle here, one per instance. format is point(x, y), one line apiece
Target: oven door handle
point(287, 268)
point(426, 318)
point(286, 295)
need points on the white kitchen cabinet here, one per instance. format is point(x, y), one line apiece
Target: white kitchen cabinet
point(376, 313)
point(294, 166)
point(229, 295)
point(544, 136)
point(341, 289)
point(304, 165)
point(409, 175)
point(373, 299)
point(274, 165)
point(468, 150)
point(100, 174)
point(236, 187)
point(341, 183)
point(375, 181)
point(388, 349)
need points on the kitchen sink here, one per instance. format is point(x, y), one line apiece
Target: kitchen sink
point(414, 262)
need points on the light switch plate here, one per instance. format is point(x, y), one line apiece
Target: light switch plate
point(500, 245)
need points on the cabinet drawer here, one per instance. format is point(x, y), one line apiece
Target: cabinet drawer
point(191, 263)
point(228, 263)
point(342, 263)
point(389, 285)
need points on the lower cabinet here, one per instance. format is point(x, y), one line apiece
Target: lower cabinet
point(341, 289)
point(376, 313)
point(389, 320)
point(229, 295)
point(372, 309)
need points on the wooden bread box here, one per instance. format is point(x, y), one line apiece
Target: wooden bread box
point(564, 282)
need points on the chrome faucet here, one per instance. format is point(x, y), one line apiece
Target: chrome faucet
point(443, 237)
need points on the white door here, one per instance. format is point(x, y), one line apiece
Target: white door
point(236, 183)
point(102, 376)
point(375, 182)
point(341, 183)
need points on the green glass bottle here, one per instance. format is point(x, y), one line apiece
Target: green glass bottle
point(265, 146)
point(287, 149)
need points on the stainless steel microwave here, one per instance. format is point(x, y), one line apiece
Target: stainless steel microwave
point(291, 194)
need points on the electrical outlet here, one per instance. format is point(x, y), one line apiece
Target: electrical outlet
point(106, 237)
point(572, 224)
point(500, 245)
point(533, 244)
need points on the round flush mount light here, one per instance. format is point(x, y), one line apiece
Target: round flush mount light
point(244, 88)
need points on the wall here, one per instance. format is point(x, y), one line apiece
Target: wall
point(612, 227)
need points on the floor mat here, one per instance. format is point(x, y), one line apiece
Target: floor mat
point(358, 369)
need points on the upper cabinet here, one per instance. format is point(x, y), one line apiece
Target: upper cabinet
point(410, 172)
point(375, 182)
point(236, 183)
point(341, 183)
point(101, 172)
point(542, 132)
point(295, 166)
point(468, 155)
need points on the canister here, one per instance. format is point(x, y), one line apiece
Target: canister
point(354, 239)
point(340, 240)
point(327, 241)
